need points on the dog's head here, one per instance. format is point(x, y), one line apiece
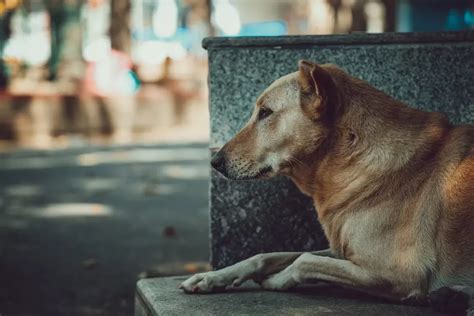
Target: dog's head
point(290, 121)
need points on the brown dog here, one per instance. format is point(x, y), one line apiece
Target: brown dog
point(393, 187)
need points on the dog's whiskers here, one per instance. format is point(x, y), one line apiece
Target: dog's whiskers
point(297, 161)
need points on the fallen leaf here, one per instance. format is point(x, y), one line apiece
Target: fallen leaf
point(90, 263)
point(169, 231)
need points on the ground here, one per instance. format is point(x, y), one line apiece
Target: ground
point(78, 226)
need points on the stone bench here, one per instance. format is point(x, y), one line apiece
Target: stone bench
point(431, 71)
point(162, 297)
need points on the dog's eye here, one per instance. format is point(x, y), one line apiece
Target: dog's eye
point(264, 113)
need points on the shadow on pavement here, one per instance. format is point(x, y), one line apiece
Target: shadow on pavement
point(77, 227)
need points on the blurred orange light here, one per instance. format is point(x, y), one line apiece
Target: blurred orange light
point(11, 4)
point(95, 3)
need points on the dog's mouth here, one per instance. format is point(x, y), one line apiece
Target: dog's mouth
point(264, 172)
point(261, 174)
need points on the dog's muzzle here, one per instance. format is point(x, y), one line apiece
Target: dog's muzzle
point(218, 162)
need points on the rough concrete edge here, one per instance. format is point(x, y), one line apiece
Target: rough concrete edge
point(140, 298)
point(345, 39)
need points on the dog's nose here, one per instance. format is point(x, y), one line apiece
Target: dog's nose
point(218, 162)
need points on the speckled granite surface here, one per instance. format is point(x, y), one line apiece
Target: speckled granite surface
point(161, 296)
point(429, 72)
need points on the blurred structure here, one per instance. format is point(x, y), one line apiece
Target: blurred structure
point(6, 13)
point(113, 71)
point(74, 71)
point(430, 16)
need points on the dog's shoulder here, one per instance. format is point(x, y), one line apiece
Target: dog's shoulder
point(458, 149)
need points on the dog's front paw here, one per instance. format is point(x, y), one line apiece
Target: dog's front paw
point(205, 283)
point(280, 281)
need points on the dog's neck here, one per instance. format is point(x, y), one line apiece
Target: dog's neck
point(376, 137)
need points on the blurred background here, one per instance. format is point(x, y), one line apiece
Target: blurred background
point(104, 132)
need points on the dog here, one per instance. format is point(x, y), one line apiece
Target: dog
point(393, 187)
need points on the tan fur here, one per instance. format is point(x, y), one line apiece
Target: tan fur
point(393, 186)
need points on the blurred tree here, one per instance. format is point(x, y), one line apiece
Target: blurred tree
point(336, 5)
point(390, 15)
point(208, 6)
point(7, 9)
point(359, 19)
point(120, 35)
point(64, 18)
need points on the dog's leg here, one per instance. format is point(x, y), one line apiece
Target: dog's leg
point(309, 268)
point(256, 268)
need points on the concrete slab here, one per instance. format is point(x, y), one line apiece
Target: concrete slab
point(161, 296)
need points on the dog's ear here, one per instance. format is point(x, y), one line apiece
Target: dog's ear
point(315, 84)
point(307, 77)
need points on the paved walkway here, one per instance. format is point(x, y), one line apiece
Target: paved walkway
point(78, 226)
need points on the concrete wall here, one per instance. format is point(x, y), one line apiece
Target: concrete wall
point(431, 71)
